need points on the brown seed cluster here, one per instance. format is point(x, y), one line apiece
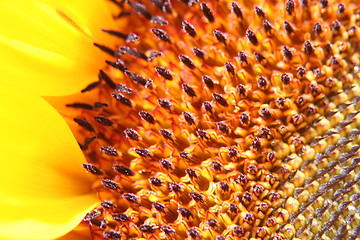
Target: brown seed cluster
point(227, 120)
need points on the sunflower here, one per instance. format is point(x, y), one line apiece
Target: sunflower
point(196, 120)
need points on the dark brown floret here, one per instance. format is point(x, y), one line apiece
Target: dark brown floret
point(317, 28)
point(165, 103)
point(147, 117)
point(131, 197)
point(123, 170)
point(132, 134)
point(252, 37)
point(108, 205)
point(111, 234)
point(308, 48)
point(104, 121)
point(92, 169)
point(146, 228)
point(109, 150)
point(189, 28)
point(219, 99)
point(287, 53)
point(259, 11)
point(220, 36)
point(143, 152)
point(243, 57)
point(199, 53)
point(230, 68)
point(122, 99)
point(120, 217)
point(185, 213)
point(238, 231)
point(155, 181)
point(196, 196)
point(208, 81)
point(108, 183)
point(290, 7)
point(84, 123)
point(207, 12)
point(161, 34)
point(236, 9)
point(208, 107)
point(287, 26)
point(164, 72)
point(189, 118)
point(187, 61)
point(188, 90)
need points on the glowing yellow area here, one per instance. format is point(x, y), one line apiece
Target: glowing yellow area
point(44, 191)
point(50, 51)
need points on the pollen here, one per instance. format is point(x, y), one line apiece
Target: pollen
point(226, 120)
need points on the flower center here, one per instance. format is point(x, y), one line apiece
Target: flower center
point(222, 119)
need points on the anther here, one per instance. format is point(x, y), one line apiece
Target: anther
point(167, 164)
point(196, 196)
point(133, 51)
point(131, 197)
point(111, 151)
point(137, 78)
point(324, 3)
point(80, 105)
point(187, 61)
point(236, 9)
point(219, 99)
point(223, 127)
point(256, 144)
point(213, 223)
point(285, 78)
point(232, 152)
point(259, 56)
point(132, 134)
point(242, 179)
point(104, 121)
point(216, 165)
point(111, 234)
point(287, 26)
point(159, 206)
point(241, 90)
point(252, 37)
point(107, 79)
point(224, 186)
point(317, 28)
point(146, 228)
point(238, 231)
point(123, 88)
point(120, 217)
point(208, 81)
point(233, 208)
point(140, 8)
point(122, 99)
point(189, 28)
point(174, 187)
point(301, 71)
point(120, 65)
point(199, 53)
point(290, 7)
point(194, 233)
point(108, 183)
point(84, 123)
point(105, 49)
point(155, 181)
point(161, 34)
point(341, 8)
point(92, 169)
point(190, 120)
point(207, 12)
point(164, 72)
point(267, 26)
point(159, 20)
point(244, 118)
point(100, 105)
point(201, 134)
point(207, 106)
point(165, 103)
point(188, 90)
point(308, 48)
point(91, 86)
point(147, 117)
point(185, 213)
point(243, 57)
point(259, 11)
point(191, 173)
point(166, 134)
point(132, 37)
point(262, 83)
point(143, 152)
point(115, 33)
point(167, 230)
point(335, 26)
point(230, 68)
point(287, 53)
point(220, 36)
point(108, 205)
point(123, 170)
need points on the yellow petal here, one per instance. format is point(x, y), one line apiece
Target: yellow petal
point(48, 47)
point(44, 189)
